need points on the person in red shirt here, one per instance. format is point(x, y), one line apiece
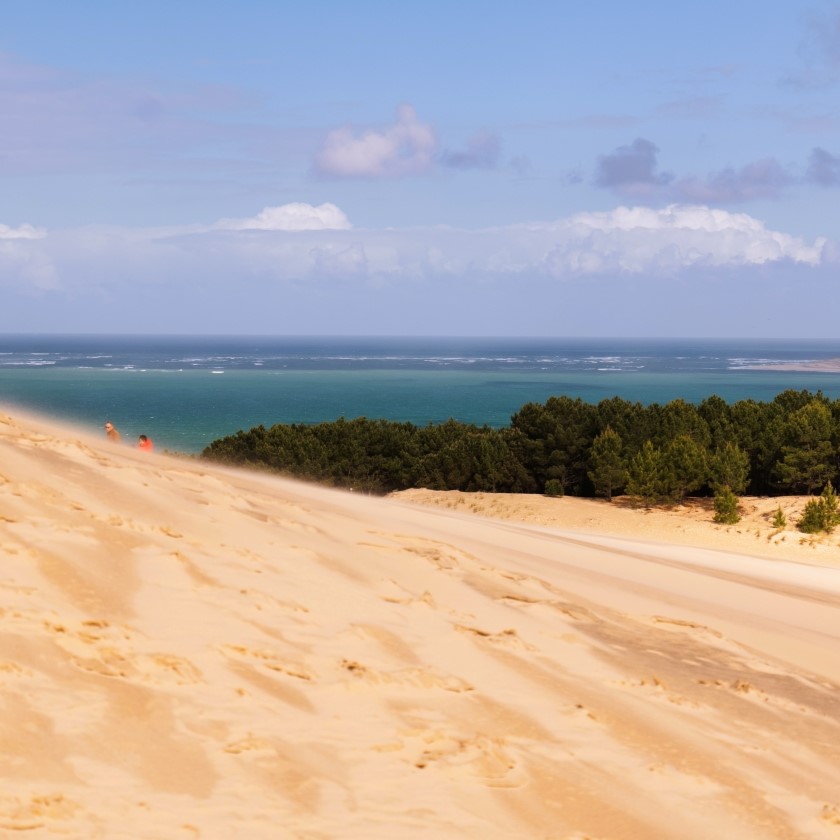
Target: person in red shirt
point(145, 443)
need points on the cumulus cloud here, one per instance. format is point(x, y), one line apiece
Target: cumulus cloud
point(674, 238)
point(631, 170)
point(482, 152)
point(294, 216)
point(403, 148)
point(823, 168)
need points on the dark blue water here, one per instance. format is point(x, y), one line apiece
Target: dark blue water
point(186, 391)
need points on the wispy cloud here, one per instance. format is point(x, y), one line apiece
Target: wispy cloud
point(56, 121)
point(482, 152)
point(824, 168)
point(22, 266)
point(761, 179)
point(695, 108)
point(819, 51)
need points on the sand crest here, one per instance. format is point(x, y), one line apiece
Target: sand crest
point(187, 651)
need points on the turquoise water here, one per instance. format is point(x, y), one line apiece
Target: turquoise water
point(186, 392)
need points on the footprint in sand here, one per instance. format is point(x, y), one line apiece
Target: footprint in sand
point(476, 754)
point(171, 532)
point(98, 647)
point(780, 694)
point(443, 556)
point(573, 611)
point(249, 743)
point(655, 688)
point(425, 678)
point(831, 814)
point(156, 668)
point(37, 812)
point(269, 660)
point(11, 670)
point(681, 624)
point(393, 593)
point(508, 637)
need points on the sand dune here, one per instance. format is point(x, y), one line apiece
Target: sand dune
point(192, 652)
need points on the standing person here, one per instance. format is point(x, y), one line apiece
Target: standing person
point(111, 432)
point(145, 444)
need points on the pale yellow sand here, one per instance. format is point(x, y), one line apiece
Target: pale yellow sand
point(691, 523)
point(192, 652)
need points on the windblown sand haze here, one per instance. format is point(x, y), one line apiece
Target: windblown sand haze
point(193, 652)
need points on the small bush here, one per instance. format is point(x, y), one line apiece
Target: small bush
point(813, 518)
point(553, 487)
point(828, 500)
point(726, 507)
point(779, 519)
point(820, 514)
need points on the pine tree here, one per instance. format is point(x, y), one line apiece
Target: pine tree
point(608, 472)
point(684, 467)
point(644, 480)
point(729, 467)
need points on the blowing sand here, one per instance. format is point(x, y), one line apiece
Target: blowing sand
point(190, 652)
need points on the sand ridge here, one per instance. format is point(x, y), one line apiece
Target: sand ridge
point(188, 651)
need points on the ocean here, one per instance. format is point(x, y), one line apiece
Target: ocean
point(185, 391)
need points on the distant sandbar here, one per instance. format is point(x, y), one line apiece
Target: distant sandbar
point(819, 366)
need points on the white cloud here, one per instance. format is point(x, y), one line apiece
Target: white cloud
point(624, 241)
point(696, 232)
point(641, 239)
point(295, 216)
point(22, 232)
point(631, 268)
point(639, 244)
point(22, 265)
point(403, 148)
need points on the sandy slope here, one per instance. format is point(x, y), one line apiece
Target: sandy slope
point(690, 524)
point(190, 652)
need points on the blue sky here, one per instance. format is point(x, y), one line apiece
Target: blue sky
point(452, 168)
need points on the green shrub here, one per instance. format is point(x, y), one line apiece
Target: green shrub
point(820, 514)
point(726, 507)
point(554, 487)
point(779, 518)
point(813, 518)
